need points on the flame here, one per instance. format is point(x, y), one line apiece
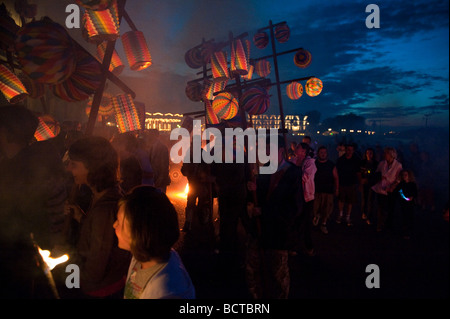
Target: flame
point(52, 262)
point(183, 194)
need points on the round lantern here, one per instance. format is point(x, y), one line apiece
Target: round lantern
point(263, 68)
point(302, 58)
point(11, 86)
point(136, 50)
point(116, 67)
point(194, 58)
point(83, 82)
point(219, 66)
point(238, 58)
point(94, 4)
point(105, 108)
point(261, 39)
point(102, 25)
point(225, 106)
point(313, 87)
point(255, 100)
point(282, 33)
point(45, 51)
point(194, 91)
point(294, 90)
point(211, 117)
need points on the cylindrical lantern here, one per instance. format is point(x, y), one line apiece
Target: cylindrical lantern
point(211, 117)
point(249, 75)
point(238, 62)
point(116, 67)
point(255, 100)
point(43, 131)
point(102, 25)
point(225, 106)
point(302, 58)
point(219, 66)
point(83, 82)
point(136, 50)
point(313, 87)
point(294, 90)
point(261, 39)
point(94, 4)
point(11, 86)
point(194, 91)
point(106, 108)
point(194, 58)
point(282, 33)
point(127, 117)
point(213, 87)
point(263, 68)
point(45, 51)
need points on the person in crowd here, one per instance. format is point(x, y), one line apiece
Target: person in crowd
point(307, 140)
point(147, 226)
point(159, 159)
point(32, 196)
point(103, 265)
point(291, 150)
point(388, 171)
point(340, 149)
point(348, 167)
point(277, 202)
point(368, 179)
point(406, 191)
point(326, 181)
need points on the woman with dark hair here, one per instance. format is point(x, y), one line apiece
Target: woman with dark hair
point(103, 266)
point(147, 226)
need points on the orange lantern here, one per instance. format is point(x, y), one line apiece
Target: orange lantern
point(219, 66)
point(11, 86)
point(43, 131)
point(127, 116)
point(238, 58)
point(136, 50)
point(102, 25)
point(116, 67)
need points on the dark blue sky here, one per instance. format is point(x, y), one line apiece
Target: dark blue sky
point(396, 74)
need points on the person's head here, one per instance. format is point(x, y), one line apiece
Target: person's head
point(17, 126)
point(349, 150)
point(306, 139)
point(407, 175)
point(125, 144)
point(301, 151)
point(390, 154)
point(147, 224)
point(369, 154)
point(322, 154)
point(94, 162)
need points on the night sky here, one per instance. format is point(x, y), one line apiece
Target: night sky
point(397, 74)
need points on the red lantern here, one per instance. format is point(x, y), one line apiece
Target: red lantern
point(136, 50)
point(102, 25)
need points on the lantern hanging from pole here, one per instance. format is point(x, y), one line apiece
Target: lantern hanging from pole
point(11, 86)
point(302, 58)
point(127, 116)
point(219, 66)
point(238, 62)
point(116, 67)
point(213, 87)
point(263, 68)
point(211, 117)
point(261, 39)
point(225, 106)
point(136, 50)
point(43, 131)
point(282, 33)
point(102, 25)
point(106, 108)
point(95, 5)
point(294, 90)
point(313, 87)
point(249, 75)
point(255, 100)
point(194, 58)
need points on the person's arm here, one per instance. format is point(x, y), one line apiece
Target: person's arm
point(336, 181)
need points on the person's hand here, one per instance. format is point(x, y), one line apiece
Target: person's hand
point(73, 211)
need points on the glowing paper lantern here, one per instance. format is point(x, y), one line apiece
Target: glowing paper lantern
point(127, 116)
point(211, 117)
point(282, 33)
point(225, 106)
point(43, 132)
point(238, 58)
point(83, 82)
point(102, 25)
point(136, 50)
point(52, 124)
point(302, 58)
point(45, 51)
point(116, 67)
point(219, 66)
point(11, 87)
point(261, 39)
point(255, 100)
point(263, 68)
point(105, 108)
point(194, 91)
point(94, 4)
point(313, 87)
point(213, 87)
point(249, 75)
point(294, 90)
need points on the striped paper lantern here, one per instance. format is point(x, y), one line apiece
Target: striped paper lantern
point(45, 51)
point(127, 117)
point(302, 58)
point(238, 62)
point(294, 90)
point(83, 82)
point(213, 87)
point(225, 106)
point(116, 67)
point(211, 117)
point(102, 25)
point(313, 87)
point(194, 91)
point(105, 108)
point(43, 131)
point(136, 50)
point(255, 100)
point(94, 4)
point(261, 39)
point(249, 75)
point(219, 66)
point(263, 68)
point(282, 33)
point(194, 58)
point(11, 87)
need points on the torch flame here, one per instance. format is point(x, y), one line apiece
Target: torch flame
point(52, 262)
